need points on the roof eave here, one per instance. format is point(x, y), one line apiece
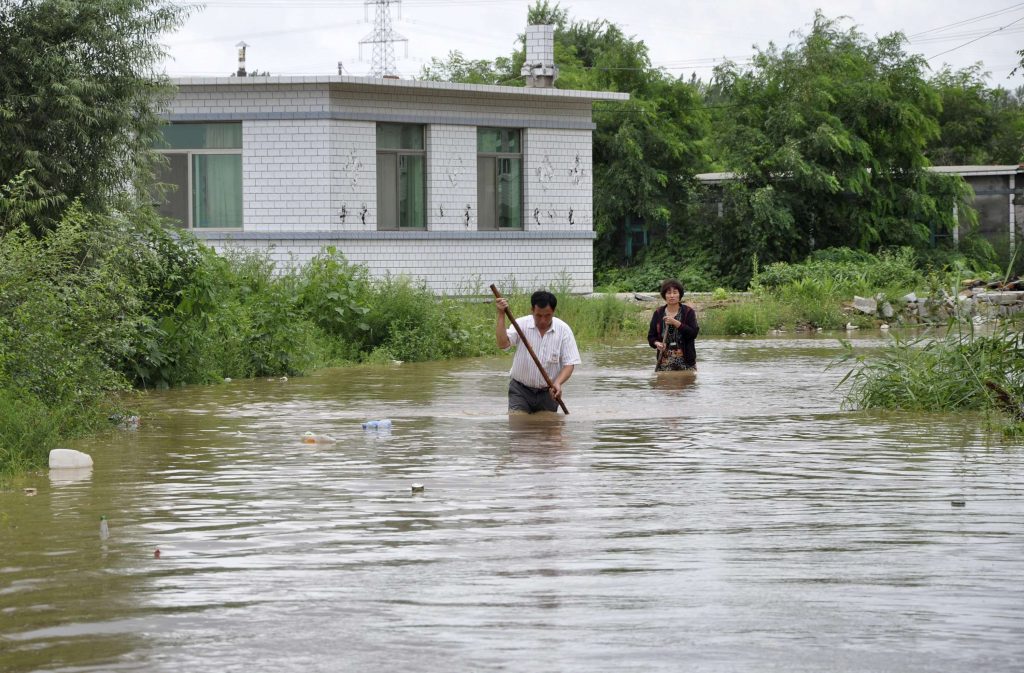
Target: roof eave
point(346, 81)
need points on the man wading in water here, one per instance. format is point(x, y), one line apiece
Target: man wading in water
point(553, 342)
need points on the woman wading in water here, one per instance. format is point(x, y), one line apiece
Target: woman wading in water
point(674, 330)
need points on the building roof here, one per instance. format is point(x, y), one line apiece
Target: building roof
point(349, 82)
point(718, 178)
point(978, 170)
point(715, 178)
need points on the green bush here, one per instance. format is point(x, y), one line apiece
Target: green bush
point(334, 294)
point(662, 260)
point(411, 323)
point(751, 317)
point(814, 302)
point(27, 434)
point(962, 370)
point(68, 311)
point(848, 271)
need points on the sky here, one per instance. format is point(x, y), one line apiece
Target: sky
point(310, 37)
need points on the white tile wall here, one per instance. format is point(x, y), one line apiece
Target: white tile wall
point(353, 163)
point(286, 175)
point(559, 180)
point(318, 174)
point(451, 178)
point(447, 266)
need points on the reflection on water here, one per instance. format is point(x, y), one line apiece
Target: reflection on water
point(736, 521)
point(680, 380)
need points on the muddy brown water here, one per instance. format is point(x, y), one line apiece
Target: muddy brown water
point(741, 521)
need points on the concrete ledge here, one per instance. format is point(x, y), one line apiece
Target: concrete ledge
point(383, 116)
point(1001, 297)
point(222, 235)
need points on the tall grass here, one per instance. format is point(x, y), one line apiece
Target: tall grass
point(746, 316)
point(960, 370)
point(591, 319)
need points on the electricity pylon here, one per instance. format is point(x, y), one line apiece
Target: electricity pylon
point(383, 38)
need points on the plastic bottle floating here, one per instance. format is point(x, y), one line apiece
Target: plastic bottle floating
point(125, 422)
point(313, 438)
point(104, 528)
point(382, 424)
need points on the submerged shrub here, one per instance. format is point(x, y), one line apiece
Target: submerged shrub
point(68, 309)
point(962, 370)
point(742, 318)
point(334, 294)
point(848, 271)
point(27, 433)
point(413, 324)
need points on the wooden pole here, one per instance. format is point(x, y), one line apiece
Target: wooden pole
point(523, 341)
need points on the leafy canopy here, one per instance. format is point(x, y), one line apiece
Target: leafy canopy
point(645, 151)
point(79, 95)
point(827, 137)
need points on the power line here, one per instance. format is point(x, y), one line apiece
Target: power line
point(961, 36)
point(973, 19)
point(976, 39)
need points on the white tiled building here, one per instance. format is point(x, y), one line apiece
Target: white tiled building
point(458, 185)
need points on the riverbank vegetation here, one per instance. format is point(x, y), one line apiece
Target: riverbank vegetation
point(99, 306)
point(98, 297)
point(818, 292)
point(959, 370)
point(823, 143)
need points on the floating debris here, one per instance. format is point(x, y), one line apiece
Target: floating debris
point(417, 488)
point(382, 424)
point(63, 458)
point(958, 502)
point(104, 528)
point(30, 491)
point(125, 421)
point(156, 553)
point(312, 438)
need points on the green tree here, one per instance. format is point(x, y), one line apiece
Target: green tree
point(828, 140)
point(79, 94)
point(645, 151)
point(457, 68)
point(978, 124)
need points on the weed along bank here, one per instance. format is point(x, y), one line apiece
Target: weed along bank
point(454, 184)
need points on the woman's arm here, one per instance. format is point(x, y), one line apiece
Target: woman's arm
point(689, 328)
point(654, 333)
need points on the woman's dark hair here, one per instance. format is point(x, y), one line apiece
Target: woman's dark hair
point(543, 299)
point(672, 283)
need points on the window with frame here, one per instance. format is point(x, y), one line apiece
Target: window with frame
point(204, 171)
point(499, 178)
point(401, 177)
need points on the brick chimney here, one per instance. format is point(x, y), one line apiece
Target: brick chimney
point(539, 69)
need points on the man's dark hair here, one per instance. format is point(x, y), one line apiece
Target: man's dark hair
point(672, 283)
point(543, 299)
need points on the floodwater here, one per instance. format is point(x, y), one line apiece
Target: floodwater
point(739, 522)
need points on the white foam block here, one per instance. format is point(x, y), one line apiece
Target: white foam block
point(64, 458)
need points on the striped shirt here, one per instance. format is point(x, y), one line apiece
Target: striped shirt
point(556, 349)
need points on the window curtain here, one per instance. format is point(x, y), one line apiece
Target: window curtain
point(510, 193)
point(217, 191)
point(412, 201)
point(223, 136)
